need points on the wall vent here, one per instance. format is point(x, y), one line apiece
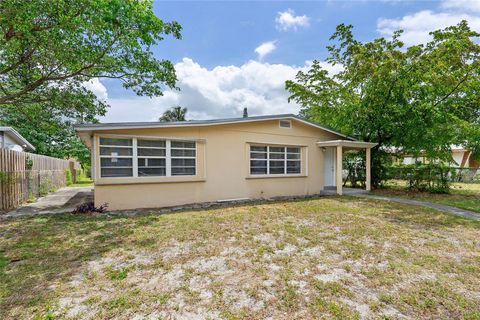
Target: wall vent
point(285, 124)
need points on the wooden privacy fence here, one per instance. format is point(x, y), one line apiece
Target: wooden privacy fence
point(26, 175)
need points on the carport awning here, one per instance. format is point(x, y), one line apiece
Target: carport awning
point(347, 144)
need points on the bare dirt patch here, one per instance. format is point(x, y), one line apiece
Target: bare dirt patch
point(331, 258)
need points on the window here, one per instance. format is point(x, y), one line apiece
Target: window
point(183, 158)
point(151, 156)
point(274, 160)
point(132, 157)
point(116, 157)
point(285, 124)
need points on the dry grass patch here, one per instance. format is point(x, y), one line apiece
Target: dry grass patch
point(324, 258)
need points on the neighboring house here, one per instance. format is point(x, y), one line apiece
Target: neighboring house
point(462, 158)
point(157, 164)
point(12, 140)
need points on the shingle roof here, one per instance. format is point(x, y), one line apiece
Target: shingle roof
point(159, 124)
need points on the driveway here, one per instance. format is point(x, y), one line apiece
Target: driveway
point(63, 200)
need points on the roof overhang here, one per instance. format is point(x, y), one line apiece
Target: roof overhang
point(18, 137)
point(89, 128)
point(347, 144)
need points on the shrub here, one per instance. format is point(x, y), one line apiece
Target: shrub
point(354, 164)
point(89, 207)
point(68, 177)
point(430, 177)
point(45, 186)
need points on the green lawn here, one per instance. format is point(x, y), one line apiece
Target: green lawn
point(332, 257)
point(462, 195)
point(82, 182)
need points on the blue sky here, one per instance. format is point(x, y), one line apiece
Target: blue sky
point(239, 54)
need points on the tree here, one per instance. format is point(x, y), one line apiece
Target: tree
point(419, 99)
point(50, 128)
point(50, 48)
point(174, 114)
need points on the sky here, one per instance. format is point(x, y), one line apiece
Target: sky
point(238, 54)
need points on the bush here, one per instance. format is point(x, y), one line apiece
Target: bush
point(354, 164)
point(68, 177)
point(430, 177)
point(45, 186)
point(89, 207)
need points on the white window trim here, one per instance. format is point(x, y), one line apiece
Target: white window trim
point(285, 160)
point(168, 157)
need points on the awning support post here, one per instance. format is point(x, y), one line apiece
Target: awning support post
point(339, 169)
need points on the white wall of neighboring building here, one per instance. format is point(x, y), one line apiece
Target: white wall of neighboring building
point(11, 144)
point(12, 140)
point(457, 157)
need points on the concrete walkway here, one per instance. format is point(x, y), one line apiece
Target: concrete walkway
point(440, 207)
point(61, 201)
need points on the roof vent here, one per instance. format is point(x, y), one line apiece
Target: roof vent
point(285, 124)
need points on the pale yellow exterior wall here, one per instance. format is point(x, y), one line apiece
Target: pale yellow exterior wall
point(222, 166)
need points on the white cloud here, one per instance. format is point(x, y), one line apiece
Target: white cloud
point(288, 20)
point(265, 48)
point(417, 26)
point(220, 92)
point(97, 88)
point(462, 5)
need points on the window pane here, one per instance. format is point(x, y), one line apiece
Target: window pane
point(293, 166)
point(277, 167)
point(258, 170)
point(156, 162)
point(183, 144)
point(293, 150)
point(151, 152)
point(277, 170)
point(112, 151)
point(116, 162)
point(183, 153)
point(258, 155)
point(277, 149)
point(142, 172)
point(151, 143)
point(258, 163)
point(277, 164)
point(293, 155)
point(183, 162)
point(258, 148)
point(116, 172)
point(183, 171)
point(115, 142)
point(277, 155)
point(153, 162)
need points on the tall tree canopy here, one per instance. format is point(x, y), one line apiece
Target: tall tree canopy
point(420, 99)
point(177, 113)
point(48, 49)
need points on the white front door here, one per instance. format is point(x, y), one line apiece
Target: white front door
point(329, 170)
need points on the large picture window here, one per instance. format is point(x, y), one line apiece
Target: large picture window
point(274, 160)
point(138, 157)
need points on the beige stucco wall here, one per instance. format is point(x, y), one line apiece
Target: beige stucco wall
point(222, 166)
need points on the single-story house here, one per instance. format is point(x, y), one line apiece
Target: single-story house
point(158, 164)
point(461, 158)
point(12, 140)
